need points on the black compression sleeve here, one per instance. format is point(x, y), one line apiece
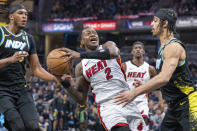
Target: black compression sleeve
point(66, 83)
point(98, 54)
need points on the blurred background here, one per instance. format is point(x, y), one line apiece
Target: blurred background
point(58, 23)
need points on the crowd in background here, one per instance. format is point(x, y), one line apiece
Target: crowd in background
point(108, 9)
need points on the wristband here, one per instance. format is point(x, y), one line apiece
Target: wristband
point(66, 83)
point(102, 54)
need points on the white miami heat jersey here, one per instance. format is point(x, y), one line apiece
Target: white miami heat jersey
point(137, 72)
point(106, 78)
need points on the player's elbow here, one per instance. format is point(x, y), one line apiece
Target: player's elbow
point(114, 53)
point(36, 69)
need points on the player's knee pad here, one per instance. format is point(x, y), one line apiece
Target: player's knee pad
point(120, 128)
point(32, 126)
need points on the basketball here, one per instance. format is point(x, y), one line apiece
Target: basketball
point(56, 64)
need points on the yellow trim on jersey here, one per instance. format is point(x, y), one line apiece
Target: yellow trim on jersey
point(12, 33)
point(3, 37)
point(186, 89)
point(193, 110)
point(181, 63)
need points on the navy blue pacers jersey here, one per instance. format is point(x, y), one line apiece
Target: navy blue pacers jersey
point(180, 84)
point(14, 74)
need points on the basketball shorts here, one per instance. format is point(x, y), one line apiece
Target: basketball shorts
point(111, 115)
point(143, 107)
point(181, 115)
point(21, 101)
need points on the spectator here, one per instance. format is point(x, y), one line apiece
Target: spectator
point(43, 124)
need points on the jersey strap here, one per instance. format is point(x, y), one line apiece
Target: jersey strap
point(3, 36)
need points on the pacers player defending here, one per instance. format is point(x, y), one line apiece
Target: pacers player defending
point(16, 47)
point(137, 69)
point(174, 78)
point(100, 69)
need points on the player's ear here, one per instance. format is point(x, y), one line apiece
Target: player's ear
point(165, 24)
point(132, 51)
point(11, 17)
point(143, 51)
point(82, 43)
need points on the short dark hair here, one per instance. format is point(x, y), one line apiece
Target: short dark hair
point(138, 43)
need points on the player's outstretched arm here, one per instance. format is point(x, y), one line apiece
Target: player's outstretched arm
point(109, 51)
point(38, 71)
point(153, 73)
point(79, 94)
point(172, 54)
point(113, 49)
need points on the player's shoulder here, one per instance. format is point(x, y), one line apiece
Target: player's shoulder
point(146, 63)
point(108, 44)
point(173, 49)
point(27, 34)
point(174, 46)
point(152, 68)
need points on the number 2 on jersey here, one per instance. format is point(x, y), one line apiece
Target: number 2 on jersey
point(108, 71)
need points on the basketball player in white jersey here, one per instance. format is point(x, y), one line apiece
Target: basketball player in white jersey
point(137, 69)
point(106, 79)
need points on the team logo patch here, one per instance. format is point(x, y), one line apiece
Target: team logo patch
point(158, 63)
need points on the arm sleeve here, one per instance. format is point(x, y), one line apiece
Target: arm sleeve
point(32, 45)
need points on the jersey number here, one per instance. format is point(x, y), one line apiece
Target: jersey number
point(108, 71)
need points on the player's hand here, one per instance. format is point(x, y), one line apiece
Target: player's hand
point(18, 56)
point(70, 53)
point(138, 82)
point(161, 105)
point(68, 77)
point(57, 80)
point(125, 97)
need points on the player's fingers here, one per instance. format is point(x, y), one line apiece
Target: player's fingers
point(64, 49)
point(122, 101)
point(118, 96)
point(22, 55)
point(70, 58)
point(65, 55)
point(125, 104)
point(118, 101)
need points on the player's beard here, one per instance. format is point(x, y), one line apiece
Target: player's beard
point(138, 57)
point(18, 26)
point(159, 31)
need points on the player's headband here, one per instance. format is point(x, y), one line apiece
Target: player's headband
point(15, 8)
point(162, 14)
